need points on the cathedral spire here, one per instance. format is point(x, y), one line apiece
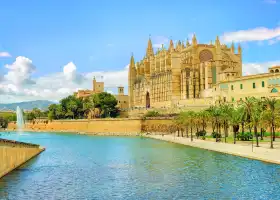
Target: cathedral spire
point(171, 45)
point(232, 47)
point(150, 50)
point(132, 63)
point(187, 43)
point(239, 49)
point(217, 42)
point(194, 41)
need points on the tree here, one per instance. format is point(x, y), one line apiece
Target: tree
point(3, 122)
point(106, 102)
point(235, 120)
point(256, 117)
point(226, 114)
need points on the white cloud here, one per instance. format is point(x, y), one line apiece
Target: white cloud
point(274, 41)
point(158, 41)
point(58, 85)
point(20, 71)
point(256, 34)
point(270, 1)
point(256, 68)
point(4, 54)
point(71, 74)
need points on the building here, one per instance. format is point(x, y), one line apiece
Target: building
point(98, 87)
point(195, 75)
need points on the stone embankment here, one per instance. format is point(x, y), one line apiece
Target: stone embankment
point(13, 154)
point(264, 154)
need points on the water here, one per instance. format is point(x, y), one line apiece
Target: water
point(20, 120)
point(91, 167)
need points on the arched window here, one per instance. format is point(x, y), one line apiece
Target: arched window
point(274, 90)
point(277, 71)
point(271, 71)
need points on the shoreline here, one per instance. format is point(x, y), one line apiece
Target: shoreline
point(260, 153)
point(77, 132)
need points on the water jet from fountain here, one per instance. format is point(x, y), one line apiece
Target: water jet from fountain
point(20, 120)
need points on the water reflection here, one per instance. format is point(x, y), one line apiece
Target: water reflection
point(86, 167)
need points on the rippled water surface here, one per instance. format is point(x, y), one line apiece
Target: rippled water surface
point(92, 167)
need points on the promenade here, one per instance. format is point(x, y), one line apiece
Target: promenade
point(263, 153)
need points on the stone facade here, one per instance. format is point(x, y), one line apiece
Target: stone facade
point(98, 87)
point(193, 75)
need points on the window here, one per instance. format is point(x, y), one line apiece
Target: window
point(225, 99)
point(231, 87)
point(241, 86)
point(254, 85)
point(119, 101)
point(262, 83)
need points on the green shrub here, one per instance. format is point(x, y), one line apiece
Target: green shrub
point(216, 135)
point(246, 136)
point(152, 113)
point(200, 133)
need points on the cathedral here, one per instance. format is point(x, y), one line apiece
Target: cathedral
point(182, 73)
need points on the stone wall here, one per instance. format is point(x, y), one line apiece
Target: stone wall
point(121, 126)
point(13, 154)
point(87, 126)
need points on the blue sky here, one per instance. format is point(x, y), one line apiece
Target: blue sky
point(99, 36)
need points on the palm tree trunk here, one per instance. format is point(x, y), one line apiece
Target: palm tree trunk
point(262, 133)
point(191, 134)
point(271, 138)
point(234, 137)
point(187, 131)
point(182, 132)
point(243, 128)
point(273, 130)
point(256, 135)
point(178, 132)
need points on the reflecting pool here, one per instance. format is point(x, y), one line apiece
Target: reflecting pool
point(95, 167)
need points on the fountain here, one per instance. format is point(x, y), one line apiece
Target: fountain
point(20, 120)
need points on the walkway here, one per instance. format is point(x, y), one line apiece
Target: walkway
point(259, 153)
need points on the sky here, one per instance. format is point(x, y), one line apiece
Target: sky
point(49, 49)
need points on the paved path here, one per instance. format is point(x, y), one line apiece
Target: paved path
point(259, 153)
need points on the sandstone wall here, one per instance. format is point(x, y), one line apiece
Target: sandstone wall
point(87, 126)
point(13, 154)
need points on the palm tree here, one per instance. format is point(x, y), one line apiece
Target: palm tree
point(210, 112)
point(235, 120)
point(190, 115)
point(271, 104)
point(256, 113)
point(226, 112)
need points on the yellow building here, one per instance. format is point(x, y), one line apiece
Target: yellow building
point(98, 87)
point(194, 75)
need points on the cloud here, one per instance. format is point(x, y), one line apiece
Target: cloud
point(158, 41)
point(71, 74)
point(4, 54)
point(270, 1)
point(274, 41)
point(256, 34)
point(257, 68)
point(59, 85)
point(19, 73)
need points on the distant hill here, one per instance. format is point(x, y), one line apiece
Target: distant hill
point(28, 105)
